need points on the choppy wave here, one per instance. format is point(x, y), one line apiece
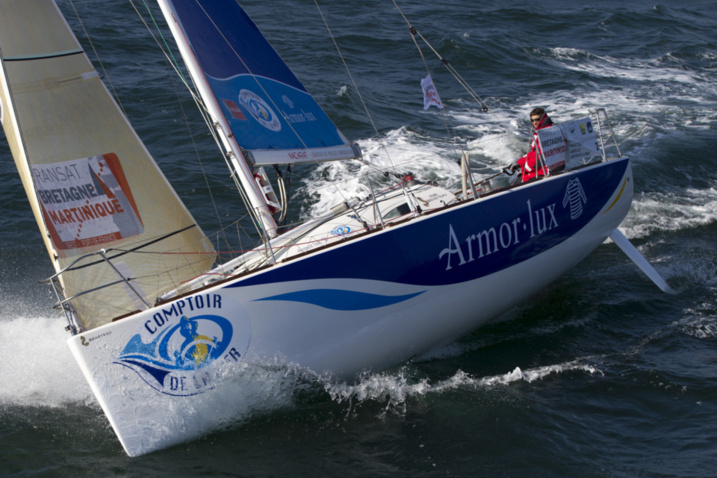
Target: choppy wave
point(702, 326)
point(658, 211)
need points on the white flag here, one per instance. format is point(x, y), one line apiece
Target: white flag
point(430, 95)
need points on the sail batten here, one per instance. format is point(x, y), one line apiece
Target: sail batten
point(92, 184)
point(43, 56)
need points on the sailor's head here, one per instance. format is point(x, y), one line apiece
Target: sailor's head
point(539, 118)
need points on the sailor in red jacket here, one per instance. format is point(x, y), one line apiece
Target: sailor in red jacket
point(528, 163)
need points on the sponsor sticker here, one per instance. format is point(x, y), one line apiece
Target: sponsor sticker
point(234, 109)
point(260, 110)
point(86, 202)
point(340, 230)
point(182, 349)
point(509, 234)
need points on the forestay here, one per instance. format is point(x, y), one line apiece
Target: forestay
point(91, 182)
point(268, 110)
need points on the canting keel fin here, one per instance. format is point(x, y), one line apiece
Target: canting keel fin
point(630, 251)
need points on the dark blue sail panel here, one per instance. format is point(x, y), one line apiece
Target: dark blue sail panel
point(264, 103)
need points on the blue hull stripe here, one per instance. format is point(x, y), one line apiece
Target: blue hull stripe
point(345, 300)
point(466, 243)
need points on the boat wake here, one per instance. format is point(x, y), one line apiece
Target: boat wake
point(42, 374)
point(396, 389)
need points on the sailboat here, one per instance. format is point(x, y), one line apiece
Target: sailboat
point(157, 327)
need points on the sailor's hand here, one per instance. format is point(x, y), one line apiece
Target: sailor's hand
point(511, 169)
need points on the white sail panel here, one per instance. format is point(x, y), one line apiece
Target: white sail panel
point(91, 182)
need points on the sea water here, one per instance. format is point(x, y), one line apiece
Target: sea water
point(601, 374)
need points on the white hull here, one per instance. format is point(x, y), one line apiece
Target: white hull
point(149, 411)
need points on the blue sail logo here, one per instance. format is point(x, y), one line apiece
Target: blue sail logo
point(176, 361)
point(260, 110)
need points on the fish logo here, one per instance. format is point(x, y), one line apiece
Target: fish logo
point(260, 110)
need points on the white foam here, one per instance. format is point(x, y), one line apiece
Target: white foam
point(396, 388)
point(660, 211)
point(36, 366)
point(697, 325)
point(245, 392)
point(640, 70)
point(401, 151)
point(539, 373)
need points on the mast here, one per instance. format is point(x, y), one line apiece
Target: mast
point(238, 161)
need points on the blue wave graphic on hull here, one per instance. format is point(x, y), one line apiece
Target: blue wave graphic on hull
point(345, 300)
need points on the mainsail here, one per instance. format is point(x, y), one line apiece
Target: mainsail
point(268, 110)
point(93, 187)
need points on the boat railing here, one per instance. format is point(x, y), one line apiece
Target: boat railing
point(65, 303)
point(377, 216)
point(267, 254)
point(467, 176)
point(606, 135)
point(73, 326)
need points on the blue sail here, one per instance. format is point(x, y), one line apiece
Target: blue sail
point(268, 109)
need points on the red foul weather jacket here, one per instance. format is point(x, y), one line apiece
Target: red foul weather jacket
point(527, 163)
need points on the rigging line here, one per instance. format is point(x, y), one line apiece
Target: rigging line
point(450, 130)
point(99, 60)
point(169, 56)
point(202, 110)
point(71, 267)
point(358, 91)
point(445, 62)
point(456, 75)
point(206, 116)
point(258, 224)
point(271, 98)
point(168, 50)
point(199, 160)
point(172, 61)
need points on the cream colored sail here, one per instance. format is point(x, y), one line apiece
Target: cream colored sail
point(91, 182)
